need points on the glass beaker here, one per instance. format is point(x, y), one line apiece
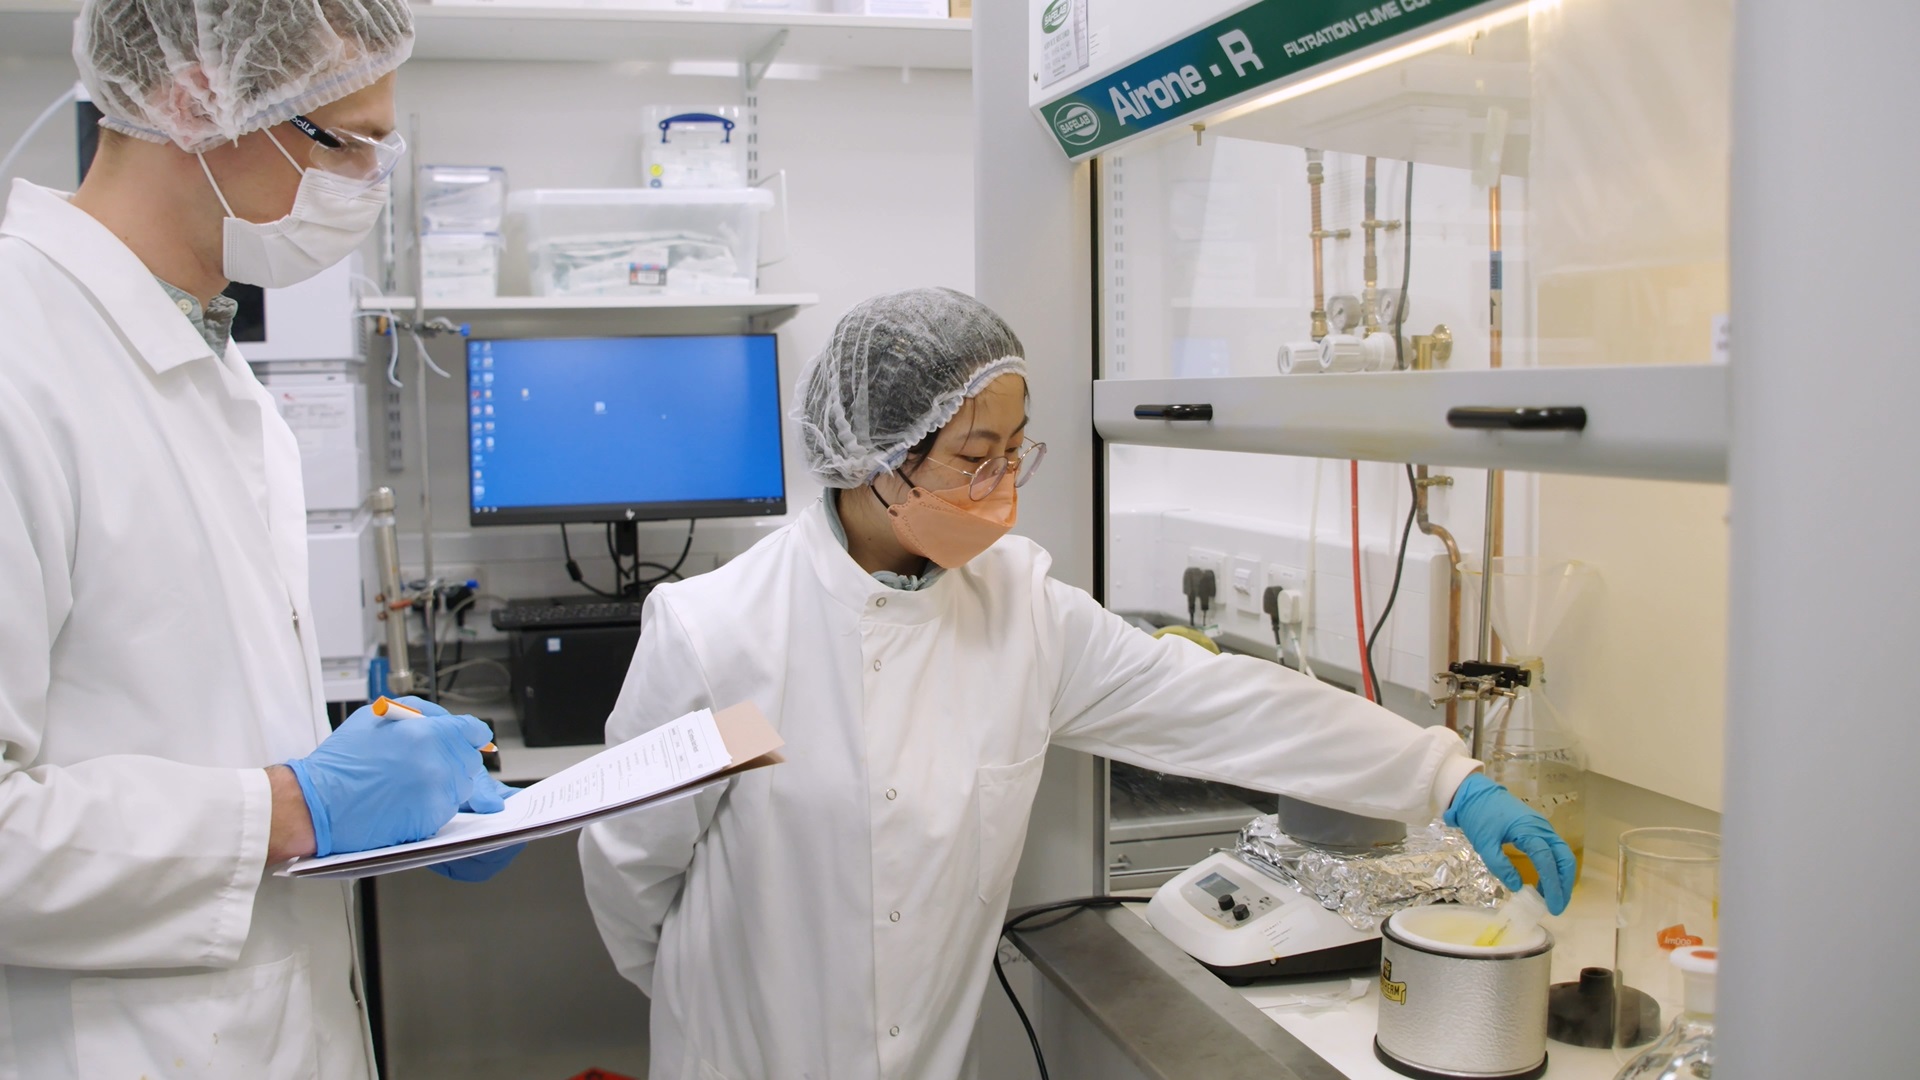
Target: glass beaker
point(1529, 747)
point(1531, 753)
point(1669, 898)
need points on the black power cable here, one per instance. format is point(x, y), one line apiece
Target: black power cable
point(1040, 1059)
point(666, 572)
point(573, 569)
point(1399, 567)
point(1399, 321)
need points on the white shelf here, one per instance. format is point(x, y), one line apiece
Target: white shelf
point(591, 34)
point(1654, 422)
point(533, 316)
point(603, 34)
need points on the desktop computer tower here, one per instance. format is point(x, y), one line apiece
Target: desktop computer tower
point(566, 680)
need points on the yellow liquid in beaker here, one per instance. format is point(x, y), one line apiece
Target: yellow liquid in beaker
point(1530, 876)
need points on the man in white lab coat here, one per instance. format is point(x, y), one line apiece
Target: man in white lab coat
point(163, 741)
point(835, 916)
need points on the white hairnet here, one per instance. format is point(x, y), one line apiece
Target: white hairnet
point(204, 72)
point(898, 368)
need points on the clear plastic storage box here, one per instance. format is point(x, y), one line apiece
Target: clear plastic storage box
point(459, 267)
point(462, 198)
point(641, 241)
point(694, 146)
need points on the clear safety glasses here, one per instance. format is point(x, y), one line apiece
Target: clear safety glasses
point(349, 155)
point(982, 481)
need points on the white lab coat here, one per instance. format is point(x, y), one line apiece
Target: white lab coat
point(833, 918)
point(155, 655)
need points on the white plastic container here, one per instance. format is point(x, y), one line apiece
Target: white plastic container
point(459, 267)
point(462, 198)
point(694, 146)
point(918, 9)
point(642, 241)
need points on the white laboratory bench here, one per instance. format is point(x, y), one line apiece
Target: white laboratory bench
point(1119, 1002)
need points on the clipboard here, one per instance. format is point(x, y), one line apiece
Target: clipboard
point(747, 741)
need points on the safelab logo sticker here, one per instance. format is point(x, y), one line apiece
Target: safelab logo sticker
point(1076, 123)
point(1055, 16)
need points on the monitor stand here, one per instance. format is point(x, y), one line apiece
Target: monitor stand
point(626, 545)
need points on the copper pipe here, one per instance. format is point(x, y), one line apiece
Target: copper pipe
point(1315, 178)
point(1495, 330)
point(1491, 544)
point(1427, 527)
point(1423, 360)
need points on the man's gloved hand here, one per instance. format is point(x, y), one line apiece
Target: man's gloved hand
point(478, 867)
point(488, 795)
point(1492, 816)
point(377, 782)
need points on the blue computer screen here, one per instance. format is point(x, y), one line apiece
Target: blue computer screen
point(608, 429)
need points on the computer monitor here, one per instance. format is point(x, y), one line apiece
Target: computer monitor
point(623, 429)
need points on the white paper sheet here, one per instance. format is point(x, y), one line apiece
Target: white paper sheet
point(616, 779)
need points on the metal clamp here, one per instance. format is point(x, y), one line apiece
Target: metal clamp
point(1478, 680)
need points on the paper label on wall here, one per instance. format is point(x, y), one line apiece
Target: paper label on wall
point(322, 417)
point(1064, 47)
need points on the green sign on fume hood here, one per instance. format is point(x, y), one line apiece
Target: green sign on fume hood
point(1254, 48)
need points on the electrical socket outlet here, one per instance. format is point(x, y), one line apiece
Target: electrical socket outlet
point(1291, 579)
point(1207, 615)
point(1216, 561)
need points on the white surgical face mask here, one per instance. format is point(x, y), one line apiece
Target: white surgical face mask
point(331, 216)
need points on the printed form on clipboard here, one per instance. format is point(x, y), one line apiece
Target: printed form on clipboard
point(670, 762)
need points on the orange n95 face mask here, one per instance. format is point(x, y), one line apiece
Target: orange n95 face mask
point(951, 528)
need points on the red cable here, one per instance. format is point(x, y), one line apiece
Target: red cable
point(1369, 684)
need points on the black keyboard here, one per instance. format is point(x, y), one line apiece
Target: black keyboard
point(566, 611)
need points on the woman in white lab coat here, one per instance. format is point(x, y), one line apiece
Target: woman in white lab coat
point(835, 916)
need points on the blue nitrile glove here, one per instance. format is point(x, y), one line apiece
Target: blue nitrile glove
point(1491, 816)
point(488, 795)
point(478, 867)
point(377, 782)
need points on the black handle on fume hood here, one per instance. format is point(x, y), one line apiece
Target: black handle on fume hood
point(1519, 417)
point(1173, 412)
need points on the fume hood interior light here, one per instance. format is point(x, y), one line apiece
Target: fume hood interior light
point(1460, 32)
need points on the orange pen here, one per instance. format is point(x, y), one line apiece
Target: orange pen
point(386, 704)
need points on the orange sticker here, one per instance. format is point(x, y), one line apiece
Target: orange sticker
point(1676, 937)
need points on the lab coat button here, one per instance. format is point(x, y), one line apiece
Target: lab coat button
point(876, 665)
point(186, 306)
point(894, 1030)
point(882, 602)
point(895, 917)
point(892, 794)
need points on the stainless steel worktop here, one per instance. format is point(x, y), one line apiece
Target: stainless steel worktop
point(1165, 1017)
point(1171, 1017)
